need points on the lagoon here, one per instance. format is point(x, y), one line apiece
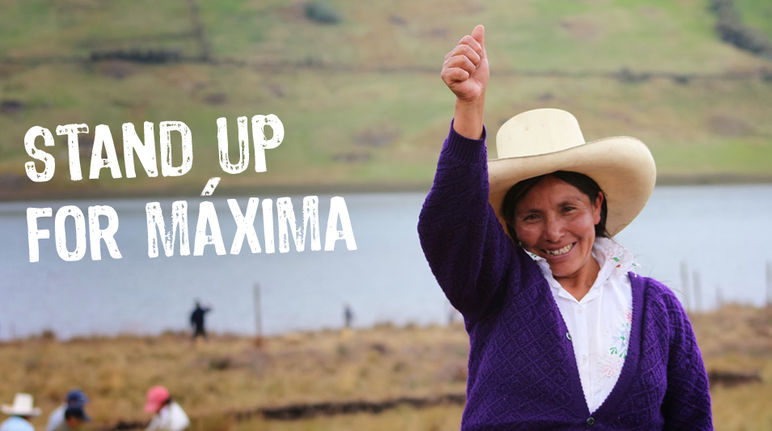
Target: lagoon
point(708, 243)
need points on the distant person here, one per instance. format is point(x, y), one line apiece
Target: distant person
point(168, 415)
point(197, 318)
point(20, 412)
point(348, 316)
point(70, 415)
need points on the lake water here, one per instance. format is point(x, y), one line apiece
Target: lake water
point(717, 235)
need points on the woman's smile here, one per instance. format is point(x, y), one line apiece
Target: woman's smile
point(560, 251)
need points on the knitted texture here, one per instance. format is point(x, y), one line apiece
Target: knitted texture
point(522, 369)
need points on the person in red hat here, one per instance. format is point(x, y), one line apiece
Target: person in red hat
point(168, 415)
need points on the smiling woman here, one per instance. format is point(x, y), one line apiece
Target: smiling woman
point(556, 221)
point(563, 333)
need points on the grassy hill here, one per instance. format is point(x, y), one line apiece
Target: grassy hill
point(360, 99)
point(756, 14)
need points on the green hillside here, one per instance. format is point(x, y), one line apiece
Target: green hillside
point(360, 99)
point(756, 14)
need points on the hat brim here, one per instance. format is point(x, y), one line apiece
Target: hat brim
point(622, 166)
point(152, 407)
point(12, 411)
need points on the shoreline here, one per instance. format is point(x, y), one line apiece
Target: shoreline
point(48, 335)
point(36, 192)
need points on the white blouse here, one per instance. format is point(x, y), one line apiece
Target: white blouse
point(599, 324)
point(171, 417)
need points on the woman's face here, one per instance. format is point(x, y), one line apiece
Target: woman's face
point(556, 221)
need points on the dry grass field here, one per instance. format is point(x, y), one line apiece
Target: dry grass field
point(220, 381)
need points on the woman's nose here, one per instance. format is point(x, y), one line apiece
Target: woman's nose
point(553, 229)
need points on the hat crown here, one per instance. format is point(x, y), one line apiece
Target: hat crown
point(537, 132)
point(76, 397)
point(23, 404)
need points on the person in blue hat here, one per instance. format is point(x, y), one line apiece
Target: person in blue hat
point(71, 415)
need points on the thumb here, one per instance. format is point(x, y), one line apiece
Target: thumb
point(479, 35)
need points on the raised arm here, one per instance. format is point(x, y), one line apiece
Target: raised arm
point(462, 240)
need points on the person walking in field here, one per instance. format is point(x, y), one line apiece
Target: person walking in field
point(348, 316)
point(564, 335)
point(197, 321)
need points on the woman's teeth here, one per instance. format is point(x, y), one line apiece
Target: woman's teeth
point(560, 251)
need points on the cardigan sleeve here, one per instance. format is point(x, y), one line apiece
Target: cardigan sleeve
point(462, 239)
point(687, 399)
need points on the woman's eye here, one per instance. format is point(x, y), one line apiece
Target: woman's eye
point(531, 217)
point(568, 209)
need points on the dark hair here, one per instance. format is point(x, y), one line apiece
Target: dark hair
point(582, 182)
point(75, 412)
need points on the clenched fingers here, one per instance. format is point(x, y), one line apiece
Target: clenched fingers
point(462, 62)
point(467, 42)
point(454, 74)
point(465, 51)
point(470, 41)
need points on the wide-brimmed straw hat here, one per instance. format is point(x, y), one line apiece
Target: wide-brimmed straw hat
point(543, 141)
point(22, 406)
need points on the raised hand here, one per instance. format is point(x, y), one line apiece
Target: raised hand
point(465, 71)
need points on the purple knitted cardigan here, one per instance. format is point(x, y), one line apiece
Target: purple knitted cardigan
point(522, 369)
